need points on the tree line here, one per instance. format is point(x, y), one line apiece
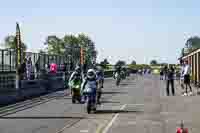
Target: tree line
point(105, 64)
point(191, 44)
point(65, 46)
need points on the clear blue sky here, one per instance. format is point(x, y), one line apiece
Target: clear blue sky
point(122, 29)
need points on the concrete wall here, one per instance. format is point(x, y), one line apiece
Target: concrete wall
point(29, 88)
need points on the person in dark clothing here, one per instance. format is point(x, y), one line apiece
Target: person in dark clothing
point(23, 69)
point(117, 70)
point(170, 80)
point(165, 72)
point(37, 69)
point(64, 67)
point(161, 74)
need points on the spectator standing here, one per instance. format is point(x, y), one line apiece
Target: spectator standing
point(23, 69)
point(170, 80)
point(182, 74)
point(165, 72)
point(29, 68)
point(53, 68)
point(37, 68)
point(186, 74)
point(161, 74)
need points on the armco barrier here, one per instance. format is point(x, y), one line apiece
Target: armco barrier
point(30, 88)
point(8, 93)
point(55, 81)
point(7, 81)
point(108, 74)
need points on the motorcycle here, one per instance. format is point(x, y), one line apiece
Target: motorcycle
point(90, 100)
point(99, 89)
point(123, 75)
point(118, 79)
point(76, 95)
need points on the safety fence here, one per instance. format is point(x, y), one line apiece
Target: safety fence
point(39, 60)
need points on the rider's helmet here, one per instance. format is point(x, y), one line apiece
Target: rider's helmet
point(77, 76)
point(91, 74)
point(118, 68)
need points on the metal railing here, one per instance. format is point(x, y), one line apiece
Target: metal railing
point(8, 59)
point(39, 60)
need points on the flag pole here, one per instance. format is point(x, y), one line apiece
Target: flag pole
point(18, 56)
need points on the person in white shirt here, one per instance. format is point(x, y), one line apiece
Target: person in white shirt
point(29, 68)
point(186, 75)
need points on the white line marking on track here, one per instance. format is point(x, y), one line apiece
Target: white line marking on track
point(84, 131)
point(63, 129)
point(113, 120)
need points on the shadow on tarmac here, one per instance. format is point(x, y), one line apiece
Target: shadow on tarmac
point(42, 117)
point(104, 101)
point(58, 98)
point(114, 92)
point(124, 84)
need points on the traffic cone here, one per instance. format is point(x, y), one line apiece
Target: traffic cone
point(179, 130)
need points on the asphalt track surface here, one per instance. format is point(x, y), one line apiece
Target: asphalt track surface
point(138, 105)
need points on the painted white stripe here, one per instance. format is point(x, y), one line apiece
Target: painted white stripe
point(113, 120)
point(84, 131)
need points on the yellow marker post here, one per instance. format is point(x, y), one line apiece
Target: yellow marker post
point(82, 54)
point(18, 55)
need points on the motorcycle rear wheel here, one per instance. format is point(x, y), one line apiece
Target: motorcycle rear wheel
point(89, 108)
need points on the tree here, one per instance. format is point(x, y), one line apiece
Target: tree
point(182, 52)
point(87, 43)
point(133, 62)
point(71, 41)
point(153, 62)
point(104, 63)
point(10, 43)
point(55, 45)
point(72, 48)
point(120, 63)
point(193, 43)
point(70, 45)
